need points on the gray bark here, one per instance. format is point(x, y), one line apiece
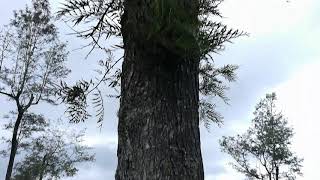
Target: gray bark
point(158, 131)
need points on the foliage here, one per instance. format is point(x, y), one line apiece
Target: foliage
point(76, 100)
point(212, 84)
point(46, 149)
point(32, 63)
point(31, 124)
point(33, 58)
point(76, 97)
point(53, 154)
point(165, 17)
point(180, 30)
point(266, 143)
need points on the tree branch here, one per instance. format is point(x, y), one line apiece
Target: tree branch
point(29, 103)
point(7, 94)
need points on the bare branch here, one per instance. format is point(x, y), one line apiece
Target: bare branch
point(8, 94)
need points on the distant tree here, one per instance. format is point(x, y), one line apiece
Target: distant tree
point(31, 63)
point(31, 124)
point(263, 152)
point(46, 150)
point(53, 155)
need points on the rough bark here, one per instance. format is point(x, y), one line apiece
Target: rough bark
point(14, 145)
point(158, 131)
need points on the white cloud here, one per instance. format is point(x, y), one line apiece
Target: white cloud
point(229, 175)
point(267, 16)
point(98, 140)
point(92, 172)
point(299, 100)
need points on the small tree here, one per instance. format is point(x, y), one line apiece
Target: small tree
point(47, 151)
point(266, 144)
point(31, 124)
point(31, 63)
point(54, 154)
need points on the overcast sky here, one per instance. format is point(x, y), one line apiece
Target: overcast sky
point(281, 55)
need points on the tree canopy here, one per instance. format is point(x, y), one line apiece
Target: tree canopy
point(32, 63)
point(263, 152)
point(166, 26)
point(46, 150)
point(53, 155)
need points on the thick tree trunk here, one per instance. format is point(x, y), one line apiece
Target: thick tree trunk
point(158, 129)
point(14, 145)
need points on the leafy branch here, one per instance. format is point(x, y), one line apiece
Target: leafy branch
point(170, 27)
point(76, 96)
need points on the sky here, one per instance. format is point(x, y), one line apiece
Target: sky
point(281, 55)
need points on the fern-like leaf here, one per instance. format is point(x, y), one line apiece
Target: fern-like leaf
point(98, 103)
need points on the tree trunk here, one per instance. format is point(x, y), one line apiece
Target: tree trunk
point(277, 173)
point(43, 166)
point(158, 131)
point(14, 145)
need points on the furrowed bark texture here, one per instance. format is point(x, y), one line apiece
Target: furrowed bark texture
point(158, 129)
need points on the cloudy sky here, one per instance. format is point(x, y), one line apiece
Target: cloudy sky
point(281, 55)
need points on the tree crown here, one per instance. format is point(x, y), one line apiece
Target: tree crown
point(32, 60)
point(185, 28)
point(266, 143)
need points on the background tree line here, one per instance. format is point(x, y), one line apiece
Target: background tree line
point(32, 64)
